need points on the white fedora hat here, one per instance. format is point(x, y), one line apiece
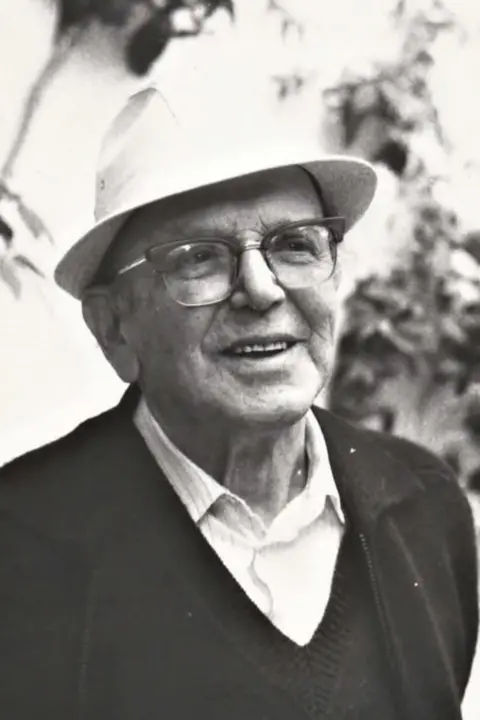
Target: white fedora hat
point(149, 154)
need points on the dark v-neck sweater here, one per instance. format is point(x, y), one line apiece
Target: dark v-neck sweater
point(341, 673)
point(114, 606)
point(214, 655)
point(223, 660)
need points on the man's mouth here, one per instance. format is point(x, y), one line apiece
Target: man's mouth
point(259, 349)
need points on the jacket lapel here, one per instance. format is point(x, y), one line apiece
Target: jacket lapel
point(369, 479)
point(389, 509)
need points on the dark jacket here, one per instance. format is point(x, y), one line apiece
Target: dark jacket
point(86, 535)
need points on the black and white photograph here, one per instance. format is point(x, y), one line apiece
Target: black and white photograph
point(240, 360)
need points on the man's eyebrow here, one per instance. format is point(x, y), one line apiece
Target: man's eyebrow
point(122, 252)
point(266, 226)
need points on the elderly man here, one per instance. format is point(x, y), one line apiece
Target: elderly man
point(215, 546)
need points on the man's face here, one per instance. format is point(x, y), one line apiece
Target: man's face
point(194, 361)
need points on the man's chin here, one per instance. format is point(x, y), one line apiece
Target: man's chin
point(275, 407)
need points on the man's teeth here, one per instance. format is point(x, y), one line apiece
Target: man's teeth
point(259, 348)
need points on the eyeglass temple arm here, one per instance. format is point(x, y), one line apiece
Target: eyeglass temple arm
point(131, 265)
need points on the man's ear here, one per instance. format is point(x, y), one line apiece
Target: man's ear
point(104, 322)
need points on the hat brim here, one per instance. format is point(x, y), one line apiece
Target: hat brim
point(347, 184)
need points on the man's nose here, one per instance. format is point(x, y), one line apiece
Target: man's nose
point(257, 286)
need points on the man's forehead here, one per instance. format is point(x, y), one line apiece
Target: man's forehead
point(270, 192)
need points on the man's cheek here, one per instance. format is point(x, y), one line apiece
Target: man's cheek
point(322, 344)
point(315, 304)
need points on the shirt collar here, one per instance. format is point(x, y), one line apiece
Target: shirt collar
point(320, 482)
point(198, 491)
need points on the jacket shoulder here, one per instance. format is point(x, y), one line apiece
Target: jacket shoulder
point(65, 484)
point(427, 466)
point(436, 521)
point(47, 459)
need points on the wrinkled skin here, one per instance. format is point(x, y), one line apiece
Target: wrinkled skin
point(175, 352)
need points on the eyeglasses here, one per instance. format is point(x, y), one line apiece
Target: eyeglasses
point(204, 270)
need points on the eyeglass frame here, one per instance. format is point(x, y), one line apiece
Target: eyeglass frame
point(335, 224)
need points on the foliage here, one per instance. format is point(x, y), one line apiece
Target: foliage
point(422, 320)
point(380, 113)
point(288, 23)
point(151, 38)
point(163, 21)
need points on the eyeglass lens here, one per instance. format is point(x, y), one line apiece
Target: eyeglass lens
point(203, 272)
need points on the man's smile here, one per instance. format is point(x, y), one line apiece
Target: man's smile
point(260, 347)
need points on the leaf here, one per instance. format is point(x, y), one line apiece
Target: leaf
point(394, 155)
point(472, 244)
point(33, 221)
point(73, 12)
point(214, 5)
point(6, 232)
point(10, 278)
point(24, 262)
point(110, 12)
point(148, 43)
point(451, 331)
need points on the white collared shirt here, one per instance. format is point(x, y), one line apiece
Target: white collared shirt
point(286, 569)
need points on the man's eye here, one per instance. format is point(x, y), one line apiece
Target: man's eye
point(294, 245)
point(194, 261)
point(298, 243)
point(199, 256)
